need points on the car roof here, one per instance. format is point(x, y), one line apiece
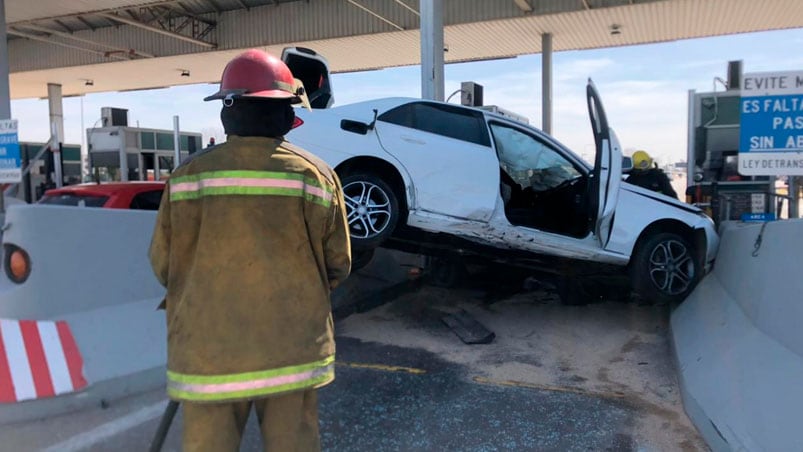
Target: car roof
point(107, 189)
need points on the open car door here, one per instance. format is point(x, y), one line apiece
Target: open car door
point(313, 71)
point(607, 176)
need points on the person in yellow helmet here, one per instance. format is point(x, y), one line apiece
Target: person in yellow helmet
point(647, 175)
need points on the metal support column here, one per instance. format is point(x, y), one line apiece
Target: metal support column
point(5, 93)
point(57, 126)
point(546, 82)
point(432, 49)
point(794, 201)
point(176, 144)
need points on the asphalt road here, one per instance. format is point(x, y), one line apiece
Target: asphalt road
point(399, 399)
point(556, 378)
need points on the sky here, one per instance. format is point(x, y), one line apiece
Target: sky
point(644, 90)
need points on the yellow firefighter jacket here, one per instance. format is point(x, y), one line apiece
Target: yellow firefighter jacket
point(250, 238)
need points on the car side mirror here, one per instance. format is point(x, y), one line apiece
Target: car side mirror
point(698, 177)
point(627, 164)
point(352, 126)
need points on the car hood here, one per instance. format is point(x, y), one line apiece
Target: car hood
point(660, 197)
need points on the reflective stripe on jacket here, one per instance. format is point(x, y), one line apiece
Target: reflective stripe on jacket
point(250, 238)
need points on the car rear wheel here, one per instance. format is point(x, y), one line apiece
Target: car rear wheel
point(361, 258)
point(665, 268)
point(372, 209)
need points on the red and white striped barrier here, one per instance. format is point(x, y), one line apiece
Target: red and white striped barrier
point(38, 359)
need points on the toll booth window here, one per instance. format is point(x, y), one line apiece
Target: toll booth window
point(730, 168)
point(165, 167)
point(134, 170)
point(452, 122)
point(164, 142)
point(189, 143)
point(148, 140)
point(105, 165)
point(72, 199)
point(148, 200)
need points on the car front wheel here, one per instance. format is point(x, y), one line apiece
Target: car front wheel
point(372, 209)
point(665, 268)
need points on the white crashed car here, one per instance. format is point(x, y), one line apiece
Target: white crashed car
point(449, 177)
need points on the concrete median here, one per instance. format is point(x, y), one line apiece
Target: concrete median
point(739, 344)
point(90, 276)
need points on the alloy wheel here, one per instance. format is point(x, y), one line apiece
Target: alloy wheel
point(671, 267)
point(368, 209)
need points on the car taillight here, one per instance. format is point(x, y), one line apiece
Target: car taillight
point(17, 264)
point(297, 122)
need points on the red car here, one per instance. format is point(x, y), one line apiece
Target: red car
point(118, 195)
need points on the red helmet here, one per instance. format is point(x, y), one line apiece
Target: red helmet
point(256, 73)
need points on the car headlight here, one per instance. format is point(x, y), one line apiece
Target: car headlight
point(17, 264)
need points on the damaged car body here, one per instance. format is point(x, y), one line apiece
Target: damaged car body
point(440, 178)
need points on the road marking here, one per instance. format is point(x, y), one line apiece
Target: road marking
point(569, 389)
point(105, 431)
point(383, 367)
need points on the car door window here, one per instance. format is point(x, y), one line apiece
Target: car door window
point(148, 200)
point(530, 161)
point(449, 121)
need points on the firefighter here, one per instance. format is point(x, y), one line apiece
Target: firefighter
point(250, 239)
point(645, 174)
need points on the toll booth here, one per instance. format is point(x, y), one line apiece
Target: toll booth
point(713, 179)
point(118, 152)
point(42, 175)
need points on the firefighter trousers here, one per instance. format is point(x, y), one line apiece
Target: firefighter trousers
point(288, 423)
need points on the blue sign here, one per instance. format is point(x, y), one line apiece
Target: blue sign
point(10, 160)
point(758, 217)
point(771, 124)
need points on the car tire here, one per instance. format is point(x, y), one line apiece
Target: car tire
point(372, 209)
point(361, 258)
point(664, 268)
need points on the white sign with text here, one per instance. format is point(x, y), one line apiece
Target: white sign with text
point(771, 124)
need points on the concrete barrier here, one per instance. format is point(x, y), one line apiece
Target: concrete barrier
point(90, 271)
point(739, 342)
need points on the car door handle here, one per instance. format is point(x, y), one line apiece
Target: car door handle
point(412, 140)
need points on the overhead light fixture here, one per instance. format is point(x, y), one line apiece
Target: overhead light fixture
point(185, 73)
point(524, 5)
point(616, 29)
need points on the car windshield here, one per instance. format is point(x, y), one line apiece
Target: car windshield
point(74, 199)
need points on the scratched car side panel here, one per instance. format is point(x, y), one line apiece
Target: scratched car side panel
point(453, 177)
